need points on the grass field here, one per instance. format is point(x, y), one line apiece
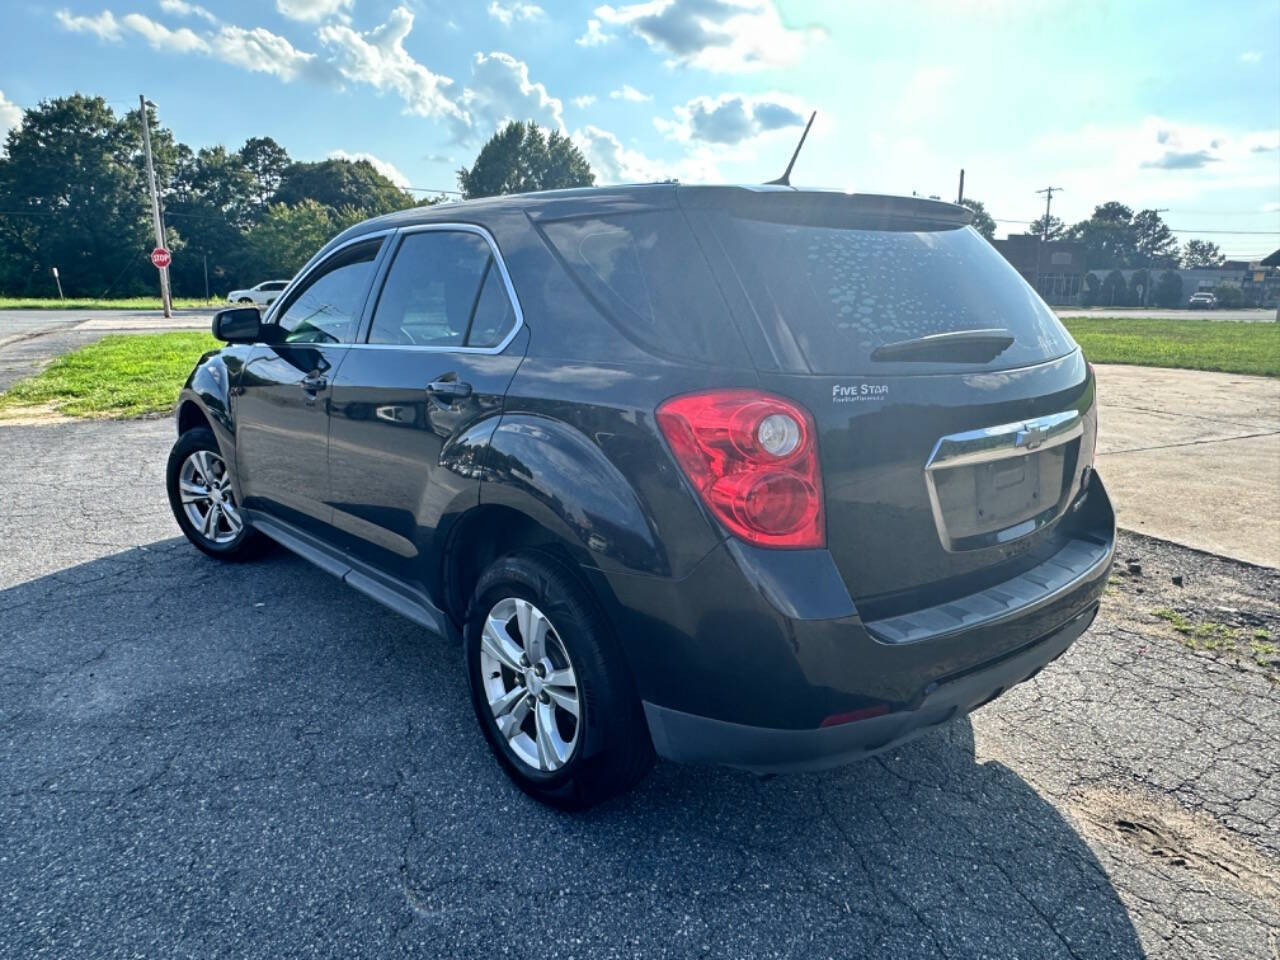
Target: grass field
point(128, 303)
point(1190, 344)
point(133, 376)
point(118, 376)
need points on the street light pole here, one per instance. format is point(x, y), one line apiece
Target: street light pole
point(155, 205)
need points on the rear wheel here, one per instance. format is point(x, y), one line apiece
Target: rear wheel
point(549, 687)
point(203, 502)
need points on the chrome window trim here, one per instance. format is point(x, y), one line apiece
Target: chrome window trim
point(318, 260)
point(988, 444)
point(455, 227)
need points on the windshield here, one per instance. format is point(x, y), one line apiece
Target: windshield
point(833, 295)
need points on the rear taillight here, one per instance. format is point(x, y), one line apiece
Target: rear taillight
point(753, 459)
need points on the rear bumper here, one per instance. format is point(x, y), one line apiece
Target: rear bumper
point(689, 738)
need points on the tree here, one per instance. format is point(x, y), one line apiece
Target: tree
point(1114, 292)
point(288, 235)
point(266, 162)
point(1155, 242)
point(982, 221)
point(1109, 237)
point(1202, 253)
point(1091, 291)
point(520, 158)
point(1057, 229)
point(74, 199)
point(341, 184)
point(1229, 295)
point(1168, 292)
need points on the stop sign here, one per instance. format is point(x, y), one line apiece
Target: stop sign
point(160, 258)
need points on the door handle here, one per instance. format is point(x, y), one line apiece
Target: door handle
point(314, 383)
point(449, 389)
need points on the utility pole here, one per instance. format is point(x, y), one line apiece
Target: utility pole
point(1048, 199)
point(960, 192)
point(155, 204)
point(1044, 232)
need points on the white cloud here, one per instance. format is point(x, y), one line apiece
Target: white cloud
point(388, 170)
point(594, 35)
point(160, 37)
point(104, 25)
point(182, 8)
point(724, 36)
point(378, 58)
point(1250, 56)
point(262, 51)
point(500, 90)
point(515, 11)
point(613, 162)
point(10, 115)
point(1271, 208)
point(311, 11)
point(732, 118)
point(586, 100)
point(628, 92)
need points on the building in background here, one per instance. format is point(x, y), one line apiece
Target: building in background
point(1054, 267)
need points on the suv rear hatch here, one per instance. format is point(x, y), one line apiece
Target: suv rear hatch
point(955, 413)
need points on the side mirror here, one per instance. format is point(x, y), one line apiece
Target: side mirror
point(238, 325)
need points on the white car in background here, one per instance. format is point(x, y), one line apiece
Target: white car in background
point(263, 295)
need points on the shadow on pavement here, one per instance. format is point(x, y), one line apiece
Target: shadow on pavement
point(200, 759)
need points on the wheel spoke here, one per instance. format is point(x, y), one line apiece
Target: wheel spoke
point(509, 724)
point(193, 492)
point(233, 518)
point(504, 704)
point(210, 526)
point(533, 630)
point(498, 643)
point(562, 687)
point(548, 750)
point(200, 464)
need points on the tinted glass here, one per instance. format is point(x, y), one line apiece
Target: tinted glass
point(494, 316)
point(437, 289)
point(646, 273)
point(327, 308)
point(840, 292)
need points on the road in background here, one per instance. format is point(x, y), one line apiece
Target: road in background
point(31, 338)
point(1250, 315)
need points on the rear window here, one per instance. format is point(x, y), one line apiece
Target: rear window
point(832, 295)
point(646, 274)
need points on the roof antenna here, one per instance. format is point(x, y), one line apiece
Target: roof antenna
point(785, 179)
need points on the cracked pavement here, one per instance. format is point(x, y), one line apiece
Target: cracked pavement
point(206, 760)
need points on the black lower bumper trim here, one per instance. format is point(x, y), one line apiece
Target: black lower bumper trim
point(689, 738)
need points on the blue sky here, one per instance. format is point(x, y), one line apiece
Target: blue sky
point(1153, 104)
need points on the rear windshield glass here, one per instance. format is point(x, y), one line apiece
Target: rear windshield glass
point(646, 274)
point(835, 294)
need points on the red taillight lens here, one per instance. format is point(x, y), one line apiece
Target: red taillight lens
point(753, 458)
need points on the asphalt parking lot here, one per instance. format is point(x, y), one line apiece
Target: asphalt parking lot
point(206, 760)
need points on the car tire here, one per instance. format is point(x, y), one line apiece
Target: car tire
point(195, 460)
point(605, 749)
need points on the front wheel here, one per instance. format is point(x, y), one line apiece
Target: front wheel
point(199, 486)
point(549, 686)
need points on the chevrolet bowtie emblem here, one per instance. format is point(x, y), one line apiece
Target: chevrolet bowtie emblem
point(1030, 437)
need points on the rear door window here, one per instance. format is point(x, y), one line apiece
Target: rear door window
point(838, 293)
point(444, 289)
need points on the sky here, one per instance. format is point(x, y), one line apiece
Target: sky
point(1170, 105)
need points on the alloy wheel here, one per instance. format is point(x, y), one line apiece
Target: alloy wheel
point(204, 486)
point(530, 685)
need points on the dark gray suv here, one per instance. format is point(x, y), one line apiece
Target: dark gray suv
point(766, 477)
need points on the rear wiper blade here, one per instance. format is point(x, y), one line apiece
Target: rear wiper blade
point(955, 346)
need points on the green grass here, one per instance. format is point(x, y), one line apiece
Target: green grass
point(127, 303)
point(1191, 344)
point(118, 376)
